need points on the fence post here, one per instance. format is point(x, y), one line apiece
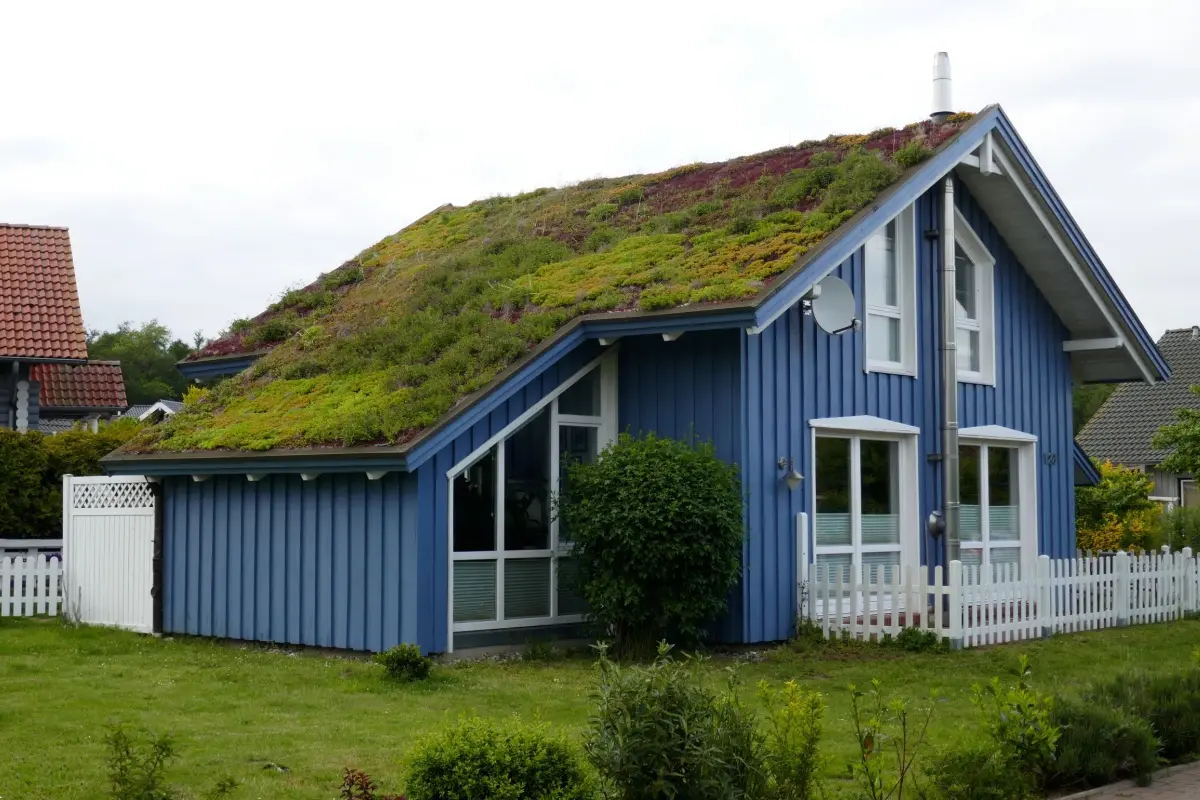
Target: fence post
point(1045, 590)
point(1121, 587)
point(1187, 595)
point(954, 604)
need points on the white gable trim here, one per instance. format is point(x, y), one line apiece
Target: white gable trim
point(158, 406)
point(863, 424)
point(996, 433)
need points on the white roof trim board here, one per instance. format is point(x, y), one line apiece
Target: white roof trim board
point(863, 423)
point(997, 433)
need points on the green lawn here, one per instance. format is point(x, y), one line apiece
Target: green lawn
point(235, 709)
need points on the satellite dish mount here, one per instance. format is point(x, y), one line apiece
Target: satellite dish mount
point(831, 304)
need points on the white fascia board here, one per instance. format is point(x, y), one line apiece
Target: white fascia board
point(1077, 345)
point(863, 424)
point(996, 433)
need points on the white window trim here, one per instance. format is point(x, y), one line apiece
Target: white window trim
point(606, 425)
point(1027, 483)
point(985, 302)
point(875, 429)
point(1183, 490)
point(906, 297)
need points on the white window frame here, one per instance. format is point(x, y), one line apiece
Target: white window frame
point(986, 436)
point(606, 427)
point(856, 429)
point(1184, 483)
point(906, 298)
point(985, 299)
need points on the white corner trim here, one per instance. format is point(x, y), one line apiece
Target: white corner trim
point(255, 477)
point(672, 335)
point(863, 424)
point(374, 475)
point(200, 478)
point(996, 433)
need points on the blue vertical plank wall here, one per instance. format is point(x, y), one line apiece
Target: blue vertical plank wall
point(330, 562)
point(794, 372)
point(432, 489)
point(688, 388)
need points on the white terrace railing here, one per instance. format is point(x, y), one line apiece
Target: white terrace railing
point(970, 608)
point(30, 585)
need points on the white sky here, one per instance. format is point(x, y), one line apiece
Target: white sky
point(205, 162)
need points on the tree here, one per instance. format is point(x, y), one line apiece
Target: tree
point(1182, 438)
point(147, 355)
point(1087, 400)
point(1121, 491)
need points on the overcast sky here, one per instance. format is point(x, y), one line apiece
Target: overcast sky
point(206, 162)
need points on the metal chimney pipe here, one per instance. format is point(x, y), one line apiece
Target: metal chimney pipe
point(942, 105)
point(949, 353)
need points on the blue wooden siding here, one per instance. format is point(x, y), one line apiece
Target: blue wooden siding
point(795, 372)
point(321, 562)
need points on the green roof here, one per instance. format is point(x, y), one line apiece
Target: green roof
point(382, 347)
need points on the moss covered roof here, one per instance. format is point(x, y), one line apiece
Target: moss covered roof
point(379, 349)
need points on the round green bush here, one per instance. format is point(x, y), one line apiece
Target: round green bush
point(1100, 744)
point(404, 662)
point(657, 531)
point(483, 759)
point(1169, 701)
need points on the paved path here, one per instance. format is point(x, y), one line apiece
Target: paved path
point(1182, 784)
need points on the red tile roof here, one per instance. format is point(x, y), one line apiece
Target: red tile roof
point(39, 305)
point(97, 384)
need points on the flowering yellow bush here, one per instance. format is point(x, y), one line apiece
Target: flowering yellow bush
point(1137, 531)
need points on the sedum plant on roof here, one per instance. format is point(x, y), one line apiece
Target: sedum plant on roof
point(379, 349)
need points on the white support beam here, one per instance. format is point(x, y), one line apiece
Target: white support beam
point(374, 475)
point(1078, 345)
point(255, 477)
point(605, 341)
point(672, 336)
point(309, 476)
point(987, 164)
point(200, 478)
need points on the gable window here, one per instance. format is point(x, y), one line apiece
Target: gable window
point(973, 318)
point(997, 516)
point(511, 563)
point(889, 269)
point(864, 490)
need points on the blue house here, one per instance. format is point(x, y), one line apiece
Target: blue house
point(978, 304)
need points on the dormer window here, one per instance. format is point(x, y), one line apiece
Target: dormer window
point(889, 267)
point(973, 314)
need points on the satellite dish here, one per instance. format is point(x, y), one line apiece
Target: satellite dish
point(833, 306)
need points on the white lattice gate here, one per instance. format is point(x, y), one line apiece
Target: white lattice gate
point(108, 551)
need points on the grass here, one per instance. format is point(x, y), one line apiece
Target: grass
point(238, 709)
point(379, 349)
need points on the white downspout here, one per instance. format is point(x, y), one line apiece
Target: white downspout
point(949, 352)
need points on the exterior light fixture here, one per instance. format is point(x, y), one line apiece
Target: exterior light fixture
point(793, 476)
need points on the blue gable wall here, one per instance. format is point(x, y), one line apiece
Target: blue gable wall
point(795, 372)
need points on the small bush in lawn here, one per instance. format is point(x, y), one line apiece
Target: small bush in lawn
point(357, 785)
point(1169, 701)
point(792, 741)
point(657, 531)
point(1100, 744)
point(920, 640)
point(137, 771)
point(974, 773)
point(478, 759)
point(1019, 721)
point(889, 732)
point(404, 662)
point(660, 731)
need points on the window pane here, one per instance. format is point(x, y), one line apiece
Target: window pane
point(883, 338)
point(1003, 516)
point(881, 567)
point(881, 268)
point(583, 398)
point(526, 588)
point(880, 473)
point(577, 443)
point(964, 285)
point(1190, 494)
point(969, 527)
point(1001, 558)
point(835, 566)
point(832, 523)
point(968, 350)
point(527, 486)
point(475, 506)
point(474, 591)
point(570, 599)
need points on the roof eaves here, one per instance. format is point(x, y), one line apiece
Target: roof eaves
point(228, 462)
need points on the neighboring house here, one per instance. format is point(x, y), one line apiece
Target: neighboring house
point(674, 309)
point(77, 394)
point(153, 413)
point(40, 321)
point(1122, 429)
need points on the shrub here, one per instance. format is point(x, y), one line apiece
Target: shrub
point(1169, 701)
point(974, 773)
point(1100, 744)
point(657, 532)
point(792, 740)
point(404, 662)
point(1181, 528)
point(343, 276)
point(921, 640)
point(27, 506)
point(603, 211)
point(911, 154)
point(1121, 491)
point(1019, 722)
point(357, 785)
point(137, 771)
point(660, 731)
point(478, 758)
point(886, 729)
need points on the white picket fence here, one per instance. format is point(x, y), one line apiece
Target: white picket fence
point(30, 585)
point(970, 607)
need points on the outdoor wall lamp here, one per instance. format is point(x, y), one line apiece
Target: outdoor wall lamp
point(793, 477)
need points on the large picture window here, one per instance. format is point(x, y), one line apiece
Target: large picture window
point(511, 562)
point(889, 259)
